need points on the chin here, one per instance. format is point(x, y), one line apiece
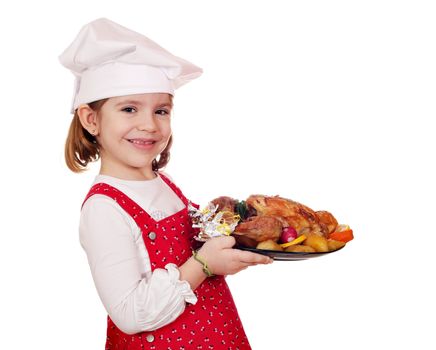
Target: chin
point(139, 163)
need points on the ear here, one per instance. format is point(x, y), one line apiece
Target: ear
point(88, 119)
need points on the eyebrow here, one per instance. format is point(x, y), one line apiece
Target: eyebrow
point(137, 102)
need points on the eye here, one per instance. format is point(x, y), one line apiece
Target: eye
point(162, 112)
point(129, 109)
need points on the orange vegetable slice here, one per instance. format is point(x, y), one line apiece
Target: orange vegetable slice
point(294, 242)
point(343, 236)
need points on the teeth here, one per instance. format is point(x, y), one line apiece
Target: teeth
point(141, 142)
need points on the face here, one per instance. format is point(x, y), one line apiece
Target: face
point(132, 131)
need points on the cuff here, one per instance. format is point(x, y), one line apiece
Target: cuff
point(183, 287)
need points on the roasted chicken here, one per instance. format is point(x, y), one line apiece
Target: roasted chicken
point(290, 213)
point(267, 216)
point(328, 219)
point(274, 223)
point(225, 203)
point(257, 229)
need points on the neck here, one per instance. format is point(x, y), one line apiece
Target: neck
point(129, 174)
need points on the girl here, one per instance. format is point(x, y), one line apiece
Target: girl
point(134, 223)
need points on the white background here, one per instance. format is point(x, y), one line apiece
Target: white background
point(326, 102)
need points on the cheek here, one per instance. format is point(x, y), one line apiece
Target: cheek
point(119, 129)
point(166, 128)
point(166, 133)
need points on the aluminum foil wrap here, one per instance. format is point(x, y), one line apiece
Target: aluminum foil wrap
point(211, 222)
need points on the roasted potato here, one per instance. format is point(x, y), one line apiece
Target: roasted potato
point(269, 245)
point(334, 245)
point(299, 248)
point(318, 243)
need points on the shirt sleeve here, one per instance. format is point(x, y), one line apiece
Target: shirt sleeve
point(135, 301)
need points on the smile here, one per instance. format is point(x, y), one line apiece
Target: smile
point(143, 144)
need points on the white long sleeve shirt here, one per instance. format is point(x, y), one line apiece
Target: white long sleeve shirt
point(135, 298)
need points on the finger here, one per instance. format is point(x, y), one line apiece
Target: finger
point(256, 263)
point(253, 258)
point(244, 265)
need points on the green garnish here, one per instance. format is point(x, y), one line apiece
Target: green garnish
point(242, 210)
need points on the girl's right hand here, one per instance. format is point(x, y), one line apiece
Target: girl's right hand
point(222, 259)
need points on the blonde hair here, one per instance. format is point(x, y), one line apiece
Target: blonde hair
point(82, 148)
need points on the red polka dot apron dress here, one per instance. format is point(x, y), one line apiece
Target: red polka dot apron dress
point(213, 322)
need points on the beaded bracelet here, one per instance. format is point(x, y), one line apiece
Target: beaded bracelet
point(202, 262)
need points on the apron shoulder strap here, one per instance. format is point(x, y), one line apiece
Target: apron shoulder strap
point(176, 190)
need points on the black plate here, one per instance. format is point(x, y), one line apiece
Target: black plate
point(285, 256)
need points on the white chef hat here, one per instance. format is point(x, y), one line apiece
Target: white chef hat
point(109, 60)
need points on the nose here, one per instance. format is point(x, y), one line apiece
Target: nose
point(146, 122)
